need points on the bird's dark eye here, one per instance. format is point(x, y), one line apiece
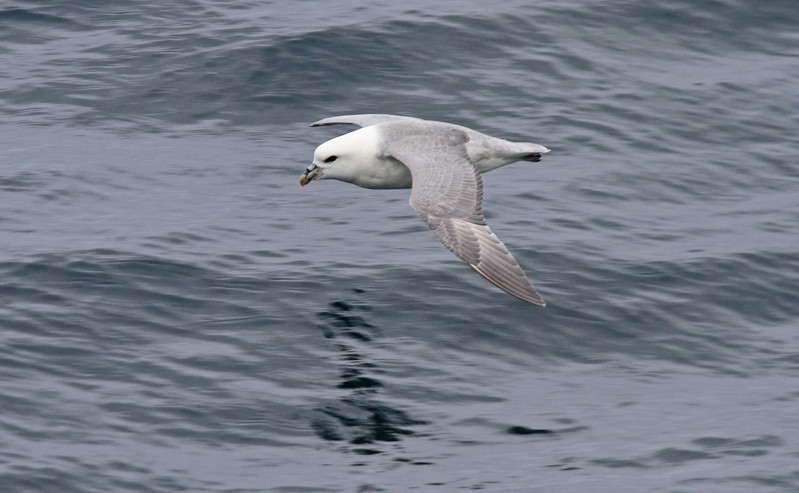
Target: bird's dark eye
point(330, 159)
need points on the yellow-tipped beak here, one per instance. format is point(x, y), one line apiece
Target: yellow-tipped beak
point(312, 172)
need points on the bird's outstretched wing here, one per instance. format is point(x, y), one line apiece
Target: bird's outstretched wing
point(363, 120)
point(447, 194)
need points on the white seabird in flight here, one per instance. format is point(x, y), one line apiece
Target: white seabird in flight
point(441, 163)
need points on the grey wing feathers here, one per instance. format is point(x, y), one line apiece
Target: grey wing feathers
point(362, 120)
point(479, 247)
point(447, 194)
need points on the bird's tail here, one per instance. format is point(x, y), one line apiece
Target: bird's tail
point(531, 152)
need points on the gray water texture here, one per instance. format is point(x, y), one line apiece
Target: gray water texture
point(178, 314)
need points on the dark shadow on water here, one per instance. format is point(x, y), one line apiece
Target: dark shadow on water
point(523, 430)
point(359, 417)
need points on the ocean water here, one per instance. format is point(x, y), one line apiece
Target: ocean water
point(178, 314)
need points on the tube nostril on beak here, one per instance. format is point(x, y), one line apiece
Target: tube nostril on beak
point(311, 172)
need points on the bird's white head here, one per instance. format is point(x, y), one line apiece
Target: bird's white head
point(344, 158)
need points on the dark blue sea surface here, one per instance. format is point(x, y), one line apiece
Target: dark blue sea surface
point(178, 314)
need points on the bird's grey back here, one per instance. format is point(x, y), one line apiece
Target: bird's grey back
point(445, 182)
